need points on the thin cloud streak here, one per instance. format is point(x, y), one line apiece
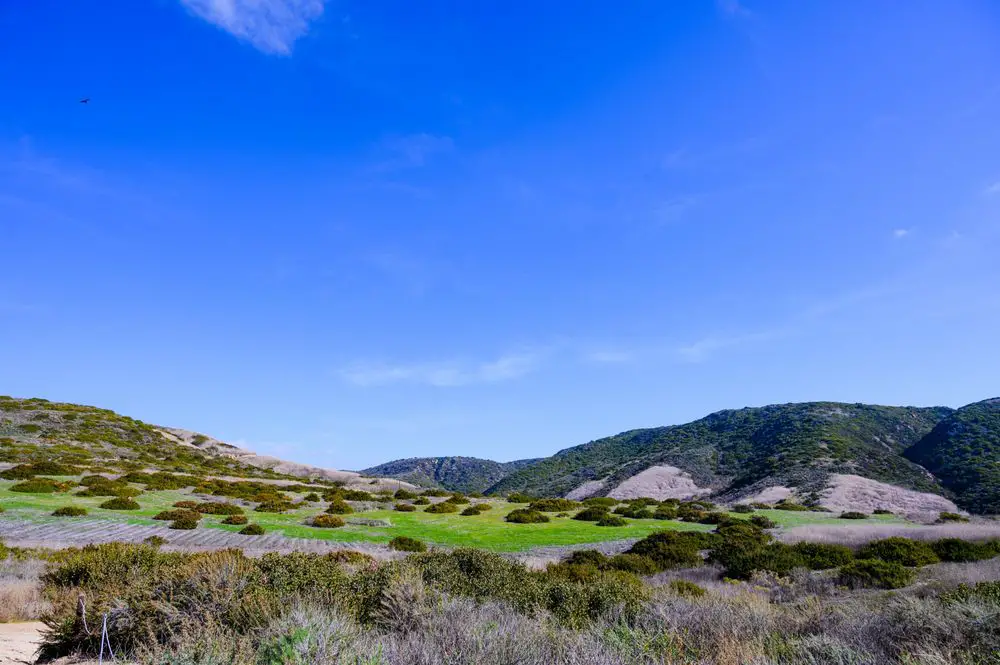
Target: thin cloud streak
point(271, 26)
point(443, 374)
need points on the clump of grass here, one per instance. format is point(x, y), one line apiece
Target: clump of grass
point(155, 541)
point(39, 486)
point(526, 516)
point(406, 544)
point(69, 511)
point(120, 503)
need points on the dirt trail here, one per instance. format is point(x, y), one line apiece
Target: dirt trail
point(18, 642)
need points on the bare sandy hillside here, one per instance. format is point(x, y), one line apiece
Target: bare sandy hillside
point(586, 490)
point(848, 492)
point(659, 482)
point(18, 642)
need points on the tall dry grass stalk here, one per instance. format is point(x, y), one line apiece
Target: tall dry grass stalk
point(21, 596)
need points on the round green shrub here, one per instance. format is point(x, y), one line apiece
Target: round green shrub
point(757, 505)
point(272, 506)
point(421, 501)
point(686, 588)
point(790, 505)
point(777, 558)
point(436, 491)
point(404, 507)
point(190, 505)
point(218, 508)
point(252, 530)
point(404, 495)
point(457, 498)
point(853, 515)
point(664, 512)
point(339, 507)
point(472, 511)
point(715, 518)
point(612, 520)
point(762, 522)
point(120, 503)
point(634, 511)
point(962, 551)
point(592, 514)
point(634, 563)
point(670, 549)
point(69, 511)
point(882, 511)
point(823, 556)
point(441, 508)
point(588, 557)
point(601, 502)
point(407, 544)
point(185, 523)
point(526, 516)
point(518, 497)
point(952, 517)
point(177, 514)
point(155, 541)
point(874, 574)
point(235, 519)
point(904, 551)
point(37, 486)
point(312, 497)
point(553, 505)
point(742, 508)
point(327, 521)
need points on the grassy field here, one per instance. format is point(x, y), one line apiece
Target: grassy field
point(488, 530)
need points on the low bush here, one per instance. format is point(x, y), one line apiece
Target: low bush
point(120, 503)
point(190, 505)
point(882, 511)
point(441, 508)
point(327, 521)
point(762, 522)
point(964, 551)
point(777, 558)
point(404, 495)
point(951, 517)
point(218, 508)
point(404, 507)
point(312, 497)
point(407, 544)
point(758, 505)
point(665, 512)
point(853, 515)
point(155, 541)
point(526, 516)
point(686, 588)
point(790, 505)
point(458, 499)
point(874, 574)
point(986, 592)
point(633, 563)
point(518, 497)
point(69, 511)
point(473, 510)
point(273, 506)
point(634, 511)
point(177, 514)
point(355, 495)
point(339, 507)
point(553, 505)
point(252, 530)
point(670, 549)
point(588, 557)
point(742, 508)
point(185, 523)
point(903, 551)
point(421, 501)
point(612, 520)
point(436, 492)
point(823, 556)
point(715, 518)
point(235, 519)
point(592, 514)
point(601, 501)
point(39, 486)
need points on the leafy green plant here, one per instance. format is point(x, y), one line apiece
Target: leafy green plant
point(853, 515)
point(120, 503)
point(327, 521)
point(592, 514)
point(686, 588)
point(526, 516)
point(951, 517)
point(903, 551)
point(38, 486)
point(235, 519)
point(742, 508)
point(633, 563)
point(670, 549)
point(404, 507)
point(823, 556)
point(184, 523)
point(553, 505)
point(218, 508)
point(339, 507)
point(69, 511)
point(406, 544)
point(874, 574)
point(963, 551)
point(177, 514)
point(441, 508)
point(601, 502)
point(612, 520)
point(762, 522)
point(252, 530)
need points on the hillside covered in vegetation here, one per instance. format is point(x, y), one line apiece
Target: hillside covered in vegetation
point(458, 474)
point(736, 452)
point(963, 452)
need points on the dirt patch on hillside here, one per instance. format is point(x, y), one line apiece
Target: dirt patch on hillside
point(772, 494)
point(659, 482)
point(586, 490)
point(849, 492)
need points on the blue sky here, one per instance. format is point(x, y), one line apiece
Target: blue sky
point(349, 232)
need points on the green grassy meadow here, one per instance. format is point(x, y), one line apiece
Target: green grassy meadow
point(487, 530)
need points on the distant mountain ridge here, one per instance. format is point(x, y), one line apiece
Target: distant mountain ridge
point(736, 453)
point(458, 474)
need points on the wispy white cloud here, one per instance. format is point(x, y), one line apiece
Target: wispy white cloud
point(443, 374)
point(899, 234)
point(412, 151)
point(993, 189)
point(702, 349)
point(733, 8)
point(272, 26)
point(610, 356)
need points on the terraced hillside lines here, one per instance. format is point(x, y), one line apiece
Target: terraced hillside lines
point(458, 474)
point(737, 451)
point(963, 451)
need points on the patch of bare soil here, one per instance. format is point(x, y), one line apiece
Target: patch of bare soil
point(18, 642)
point(659, 482)
point(772, 494)
point(849, 492)
point(586, 490)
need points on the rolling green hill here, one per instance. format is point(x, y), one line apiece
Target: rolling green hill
point(736, 451)
point(459, 474)
point(963, 451)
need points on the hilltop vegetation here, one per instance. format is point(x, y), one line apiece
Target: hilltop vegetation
point(963, 451)
point(740, 450)
point(458, 474)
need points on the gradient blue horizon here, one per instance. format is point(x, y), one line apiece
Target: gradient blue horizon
point(380, 230)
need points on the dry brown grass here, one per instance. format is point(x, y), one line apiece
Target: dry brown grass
point(855, 535)
point(21, 596)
